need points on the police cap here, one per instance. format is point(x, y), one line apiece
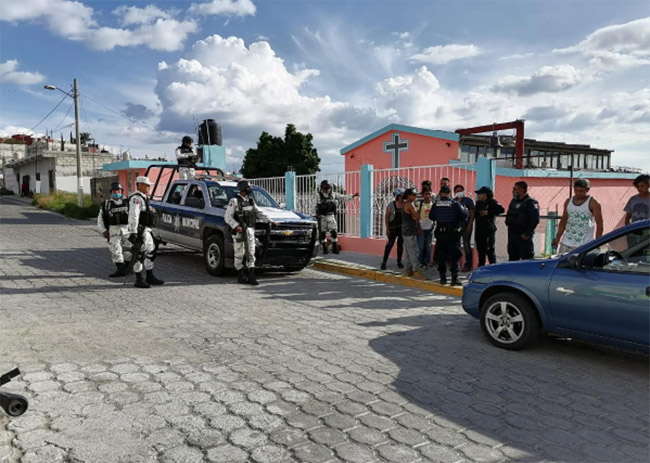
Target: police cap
point(243, 185)
point(484, 190)
point(187, 139)
point(324, 184)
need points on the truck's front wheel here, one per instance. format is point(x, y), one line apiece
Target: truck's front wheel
point(214, 255)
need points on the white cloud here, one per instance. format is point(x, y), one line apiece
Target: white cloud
point(8, 73)
point(132, 15)
point(156, 29)
point(224, 7)
point(9, 130)
point(616, 47)
point(546, 79)
point(443, 54)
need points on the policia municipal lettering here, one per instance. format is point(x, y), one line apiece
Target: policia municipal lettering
point(326, 214)
point(112, 223)
point(241, 215)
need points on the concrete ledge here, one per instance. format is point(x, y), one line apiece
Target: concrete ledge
point(386, 277)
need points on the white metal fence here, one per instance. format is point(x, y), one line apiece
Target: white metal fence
point(344, 183)
point(274, 185)
point(386, 181)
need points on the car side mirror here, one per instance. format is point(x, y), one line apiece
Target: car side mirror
point(572, 261)
point(283, 205)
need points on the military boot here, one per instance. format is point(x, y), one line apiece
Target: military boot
point(152, 280)
point(251, 277)
point(443, 278)
point(140, 281)
point(242, 277)
point(120, 272)
point(454, 280)
point(324, 246)
point(335, 248)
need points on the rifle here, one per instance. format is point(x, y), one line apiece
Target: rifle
point(136, 250)
point(12, 404)
point(244, 233)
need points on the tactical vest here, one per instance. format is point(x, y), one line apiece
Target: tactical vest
point(327, 204)
point(445, 214)
point(245, 211)
point(146, 216)
point(186, 161)
point(116, 213)
point(517, 215)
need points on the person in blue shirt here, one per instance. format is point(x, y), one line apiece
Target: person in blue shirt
point(468, 204)
point(449, 216)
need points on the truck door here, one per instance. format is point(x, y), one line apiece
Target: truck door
point(192, 216)
point(168, 216)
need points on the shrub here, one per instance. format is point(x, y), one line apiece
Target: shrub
point(66, 204)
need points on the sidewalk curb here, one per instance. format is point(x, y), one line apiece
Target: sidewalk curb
point(370, 274)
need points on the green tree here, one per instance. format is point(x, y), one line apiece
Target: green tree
point(273, 155)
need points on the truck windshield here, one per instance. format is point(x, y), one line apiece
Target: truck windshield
point(220, 195)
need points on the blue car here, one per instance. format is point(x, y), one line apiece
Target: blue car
point(599, 292)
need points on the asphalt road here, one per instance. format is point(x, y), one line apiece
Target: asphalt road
point(306, 367)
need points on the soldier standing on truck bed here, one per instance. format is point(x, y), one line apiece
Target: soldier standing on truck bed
point(139, 229)
point(186, 159)
point(241, 214)
point(326, 214)
point(112, 222)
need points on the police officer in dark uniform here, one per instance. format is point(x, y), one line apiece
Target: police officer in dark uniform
point(112, 223)
point(522, 219)
point(449, 217)
point(487, 208)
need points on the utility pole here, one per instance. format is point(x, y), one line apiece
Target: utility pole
point(80, 188)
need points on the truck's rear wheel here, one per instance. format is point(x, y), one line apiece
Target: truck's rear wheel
point(214, 255)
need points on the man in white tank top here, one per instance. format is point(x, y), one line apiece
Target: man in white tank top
point(582, 218)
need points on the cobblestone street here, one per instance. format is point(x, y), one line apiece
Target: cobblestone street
point(308, 367)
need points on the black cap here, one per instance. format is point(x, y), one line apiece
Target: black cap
point(324, 184)
point(445, 189)
point(410, 192)
point(116, 186)
point(187, 139)
point(484, 190)
point(243, 185)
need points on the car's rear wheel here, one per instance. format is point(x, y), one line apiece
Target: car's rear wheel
point(509, 321)
point(214, 255)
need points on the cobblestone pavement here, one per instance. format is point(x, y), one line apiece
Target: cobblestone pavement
point(309, 367)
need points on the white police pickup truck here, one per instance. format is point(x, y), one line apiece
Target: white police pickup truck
point(190, 213)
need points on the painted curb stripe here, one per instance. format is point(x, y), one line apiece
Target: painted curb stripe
point(388, 278)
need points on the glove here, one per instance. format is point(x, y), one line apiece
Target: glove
point(132, 238)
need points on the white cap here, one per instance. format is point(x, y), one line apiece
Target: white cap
point(143, 179)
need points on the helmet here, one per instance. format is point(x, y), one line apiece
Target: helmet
point(324, 184)
point(243, 185)
point(187, 139)
point(398, 192)
point(116, 186)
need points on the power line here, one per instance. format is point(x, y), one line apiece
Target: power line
point(49, 114)
point(117, 113)
point(66, 115)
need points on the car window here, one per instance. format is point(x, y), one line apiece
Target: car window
point(195, 192)
point(176, 194)
point(218, 196)
point(625, 253)
point(221, 195)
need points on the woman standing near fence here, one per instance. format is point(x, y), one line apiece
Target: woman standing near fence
point(393, 218)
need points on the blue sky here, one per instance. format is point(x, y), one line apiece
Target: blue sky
point(577, 71)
